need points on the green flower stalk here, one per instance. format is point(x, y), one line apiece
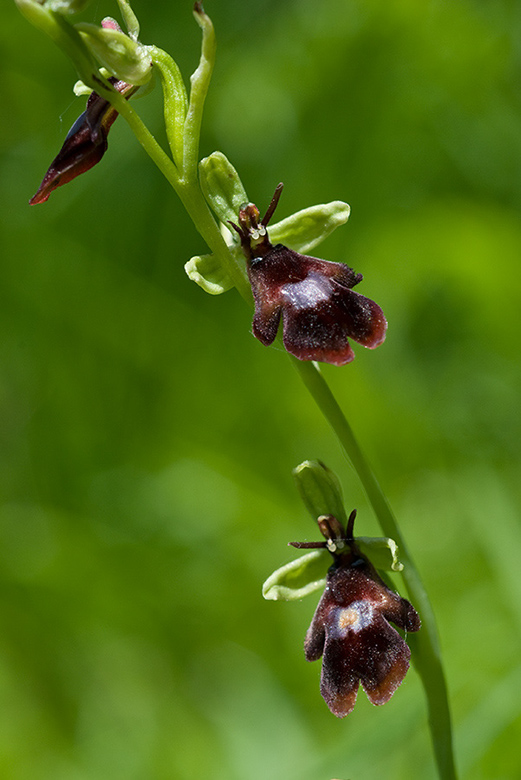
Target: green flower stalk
point(312, 298)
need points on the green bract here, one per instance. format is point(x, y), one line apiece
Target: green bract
point(130, 19)
point(125, 58)
point(175, 101)
point(320, 490)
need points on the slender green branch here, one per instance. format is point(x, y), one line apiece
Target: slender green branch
point(425, 644)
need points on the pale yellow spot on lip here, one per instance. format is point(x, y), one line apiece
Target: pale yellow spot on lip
point(347, 618)
point(355, 617)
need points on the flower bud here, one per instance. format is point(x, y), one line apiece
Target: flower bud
point(320, 490)
point(221, 186)
point(124, 57)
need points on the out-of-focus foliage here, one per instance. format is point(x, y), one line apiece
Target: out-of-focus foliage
point(147, 440)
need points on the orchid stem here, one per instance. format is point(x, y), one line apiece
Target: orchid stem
point(425, 646)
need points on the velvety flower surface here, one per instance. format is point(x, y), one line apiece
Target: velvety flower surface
point(314, 298)
point(85, 144)
point(319, 309)
point(351, 626)
point(351, 630)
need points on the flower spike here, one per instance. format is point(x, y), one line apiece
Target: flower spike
point(313, 297)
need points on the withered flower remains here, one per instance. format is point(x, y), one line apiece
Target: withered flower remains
point(85, 144)
point(319, 309)
point(351, 626)
point(86, 141)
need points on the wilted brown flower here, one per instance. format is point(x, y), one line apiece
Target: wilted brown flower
point(85, 144)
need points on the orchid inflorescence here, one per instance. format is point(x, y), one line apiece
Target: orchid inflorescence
point(314, 300)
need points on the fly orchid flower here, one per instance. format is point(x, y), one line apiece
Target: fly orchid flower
point(314, 298)
point(351, 626)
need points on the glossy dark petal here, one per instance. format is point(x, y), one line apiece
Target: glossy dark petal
point(266, 324)
point(359, 646)
point(319, 310)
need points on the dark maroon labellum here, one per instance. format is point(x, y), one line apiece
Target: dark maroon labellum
point(313, 297)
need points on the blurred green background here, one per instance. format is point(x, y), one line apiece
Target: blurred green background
point(147, 439)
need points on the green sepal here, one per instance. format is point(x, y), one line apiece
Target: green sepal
point(305, 229)
point(222, 187)
point(208, 273)
point(320, 490)
point(130, 19)
point(81, 89)
point(125, 58)
point(381, 551)
point(298, 578)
